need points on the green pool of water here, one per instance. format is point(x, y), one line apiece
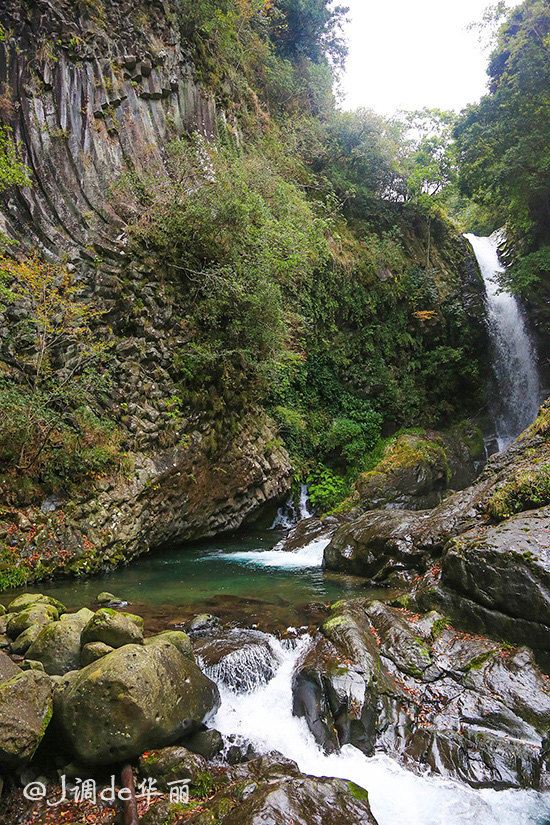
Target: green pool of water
point(175, 584)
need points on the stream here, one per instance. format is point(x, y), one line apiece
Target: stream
point(246, 581)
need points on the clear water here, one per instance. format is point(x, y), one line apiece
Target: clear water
point(515, 366)
point(239, 577)
point(397, 796)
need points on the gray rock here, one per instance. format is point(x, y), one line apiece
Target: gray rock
point(57, 646)
point(94, 651)
point(25, 712)
point(8, 668)
point(176, 637)
point(25, 639)
point(143, 696)
point(205, 743)
point(38, 614)
point(203, 621)
point(27, 600)
point(113, 628)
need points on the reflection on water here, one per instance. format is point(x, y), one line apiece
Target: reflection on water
point(227, 576)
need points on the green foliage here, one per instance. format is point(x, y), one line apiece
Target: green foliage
point(527, 274)
point(326, 488)
point(12, 171)
point(47, 431)
point(504, 141)
point(527, 492)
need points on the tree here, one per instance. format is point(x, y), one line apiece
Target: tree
point(504, 141)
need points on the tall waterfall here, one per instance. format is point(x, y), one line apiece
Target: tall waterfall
point(517, 380)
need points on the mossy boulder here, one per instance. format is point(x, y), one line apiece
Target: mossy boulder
point(132, 699)
point(25, 639)
point(27, 600)
point(57, 645)
point(206, 743)
point(170, 765)
point(25, 712)
point(94, 651)
point(38, 614)
point(113, 628)
point(177, 637)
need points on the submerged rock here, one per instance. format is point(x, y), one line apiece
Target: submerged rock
point(136, 697)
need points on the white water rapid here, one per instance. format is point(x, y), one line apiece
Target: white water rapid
point(264, 717)
point(517, 379)
point(309, 556)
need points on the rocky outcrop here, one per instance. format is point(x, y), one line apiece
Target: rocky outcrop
point(91, 93)
point(272, 790)
point(382, 544)
point(427, 694)
point(417, 471)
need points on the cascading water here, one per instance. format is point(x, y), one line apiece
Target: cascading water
point(287, 515)
point(517, 379)
point(263, 716)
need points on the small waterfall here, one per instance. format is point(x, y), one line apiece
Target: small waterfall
point(263, 716)
point(516, 374)
point(288, 516)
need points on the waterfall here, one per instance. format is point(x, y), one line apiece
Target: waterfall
point(263, 716)
point(516, 401)
point(287, 515)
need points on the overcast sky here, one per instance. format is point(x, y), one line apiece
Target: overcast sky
point(407, 54)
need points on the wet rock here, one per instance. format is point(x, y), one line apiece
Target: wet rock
point(93, 651)
point(504, 567)
point(106, 599)
point(202, 622)
point(27, 600)
point(177, 637)
point(206, 743)
point(171, 765)
point(417, 471)
point(242, 659)
point(306, 531)
point(143, 696)
point(25, 639)
point(25, 712)
point(429, 695)
point(31, 664)
point(113, 628)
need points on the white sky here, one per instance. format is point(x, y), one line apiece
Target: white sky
point(407, 54)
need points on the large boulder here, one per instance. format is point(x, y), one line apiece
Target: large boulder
point(135, 698)
point(427, 694)
point(269, 790)
point(25, 712)
point(171, 765)
point(57, 645)
point(113, 628)
point(416, 471)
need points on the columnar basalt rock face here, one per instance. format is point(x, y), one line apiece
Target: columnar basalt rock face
point(93, 91)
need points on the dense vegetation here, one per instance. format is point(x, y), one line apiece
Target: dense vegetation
point(324, 281)
point(504, 145)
